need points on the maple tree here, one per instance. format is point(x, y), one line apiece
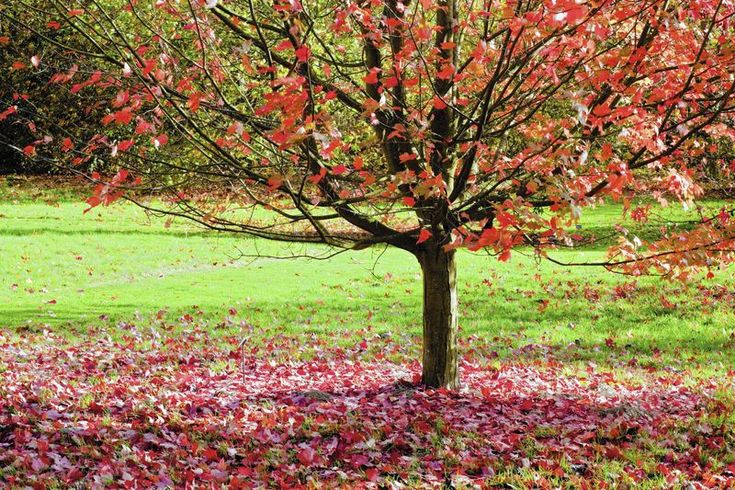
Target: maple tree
point(427, 126)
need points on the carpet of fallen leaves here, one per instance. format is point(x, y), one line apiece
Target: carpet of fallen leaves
point(147, 413)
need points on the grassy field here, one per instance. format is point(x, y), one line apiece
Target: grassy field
point(112, 323)
point(116, 267)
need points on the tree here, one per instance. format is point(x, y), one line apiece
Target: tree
point(427, 126)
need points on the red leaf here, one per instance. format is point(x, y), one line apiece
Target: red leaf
point(121, 99)
point(576, 13)
point(586, 436)
point(602, 110)
point(406, 157)
point(67, 145)
point(160, 140)
point(666, 303)
point(93, 202)
point(372, 77)
point(303, 53)
point(606, 152)
point(194, 101)
point(315, 179)
point(424, 235)
point(446, 73)
point(73, 475)
point(274, 182)
point(125, 145)
point(121, 176)
point(7, 112)
point(150, 65)
point(613, 452)
point(372, 474)
point(123, 117)
point(526, 405)
point(306, 456)
point(439, 103)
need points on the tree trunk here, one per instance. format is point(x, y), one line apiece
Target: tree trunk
point(440, 363)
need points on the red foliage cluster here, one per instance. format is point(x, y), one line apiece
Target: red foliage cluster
point(482, 125)
point(144, 415)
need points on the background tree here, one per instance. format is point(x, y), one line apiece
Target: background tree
point(36, 103)
point(427, 126)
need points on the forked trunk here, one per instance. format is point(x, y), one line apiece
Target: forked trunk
point(440, 363)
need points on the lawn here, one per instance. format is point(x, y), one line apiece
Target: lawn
point(119, 334)
point(117, 267)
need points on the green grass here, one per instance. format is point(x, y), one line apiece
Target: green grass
point(68, 272)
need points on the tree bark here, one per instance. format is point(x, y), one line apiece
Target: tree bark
point(440, 362)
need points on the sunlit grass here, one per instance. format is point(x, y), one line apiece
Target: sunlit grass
point(118, 268)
